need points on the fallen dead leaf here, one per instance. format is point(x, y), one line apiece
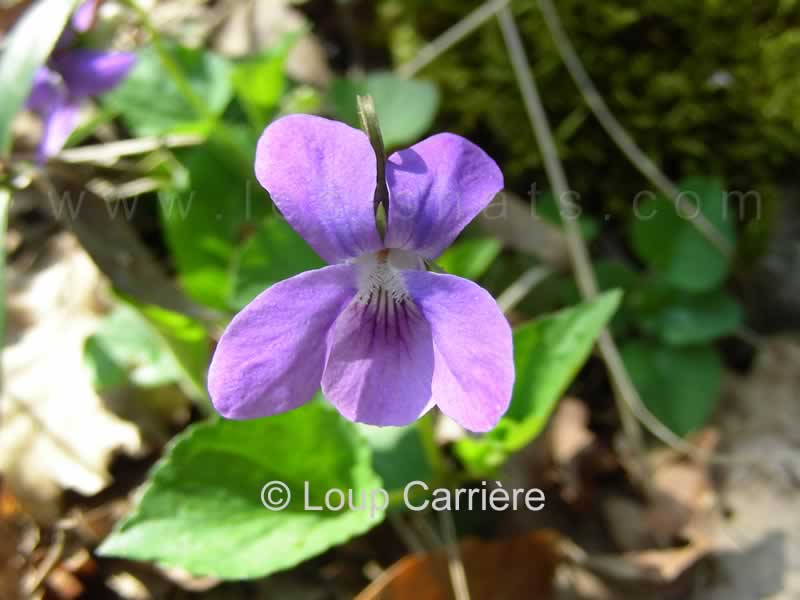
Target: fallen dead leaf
point(55, 431)
point(653, 574)
point(10, 538)
point(666, 566)
point(569, 431)
point(506, 569)
point(574, 452)
point(681, 504)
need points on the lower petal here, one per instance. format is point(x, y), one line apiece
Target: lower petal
point(380, 365)
point(46, 91)
point(474, 360)
point(59, 123)
point(271, 357)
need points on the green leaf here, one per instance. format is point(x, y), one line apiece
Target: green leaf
point(680, 386)
point(127, 348)
point(397, 455)
point(206, 217)
point(548, 354)
point(151, 103)
point(275, 252)
point(470, 257)
point(202, 509)
point(405, 107)
point(673, 246)
point(25, 50)
point(686, 319)
point(189, 342)
point(302, 99)
point(260, 82)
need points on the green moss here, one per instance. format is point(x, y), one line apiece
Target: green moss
point(706, 87)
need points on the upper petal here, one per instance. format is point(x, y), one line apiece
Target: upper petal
point(84, 16)
point(271, 356)
point(436, 187)
point(91, 72)
point(322, 175)
point(380, 365)
point(474, 362)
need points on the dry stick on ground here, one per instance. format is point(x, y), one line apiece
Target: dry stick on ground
point(618, 134)
point(579, 254)
point(455, 566)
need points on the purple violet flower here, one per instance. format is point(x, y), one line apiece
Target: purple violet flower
point(70, 76)
point(385, 338)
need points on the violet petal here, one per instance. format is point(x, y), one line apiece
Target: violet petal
point(84, 16)
point(321, 174)
point(91, 72)
point(474, 361)
point(380, 365)
point(47, 91)
point(436, 187)
point(271, 357)
point(59, 123)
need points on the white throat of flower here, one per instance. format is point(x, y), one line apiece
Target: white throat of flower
point(380, 278)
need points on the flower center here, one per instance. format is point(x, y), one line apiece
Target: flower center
point(380, 278)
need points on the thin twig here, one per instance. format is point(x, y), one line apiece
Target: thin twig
point(455, 565)
point(406, 533)
point(427, 532)
point(452, 36)
point(520, 288)
point(111, 152)
point(620, 136)
point(50, 562)
point(579, 254)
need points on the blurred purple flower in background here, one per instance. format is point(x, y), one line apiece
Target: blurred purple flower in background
point(70, 76)
point(386, 338)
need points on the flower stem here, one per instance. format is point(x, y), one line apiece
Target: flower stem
point(427, 436)
point(368, 117)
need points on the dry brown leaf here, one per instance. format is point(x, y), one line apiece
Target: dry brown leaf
point(652, 574)
point(507, 569)
point(10, 536)
point(55, 431)
point(570, 442)
point(681, 503)
point(666, 566)
point(569, 431)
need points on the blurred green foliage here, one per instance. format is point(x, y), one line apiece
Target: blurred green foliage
point(206, 74)
point(406, 107)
